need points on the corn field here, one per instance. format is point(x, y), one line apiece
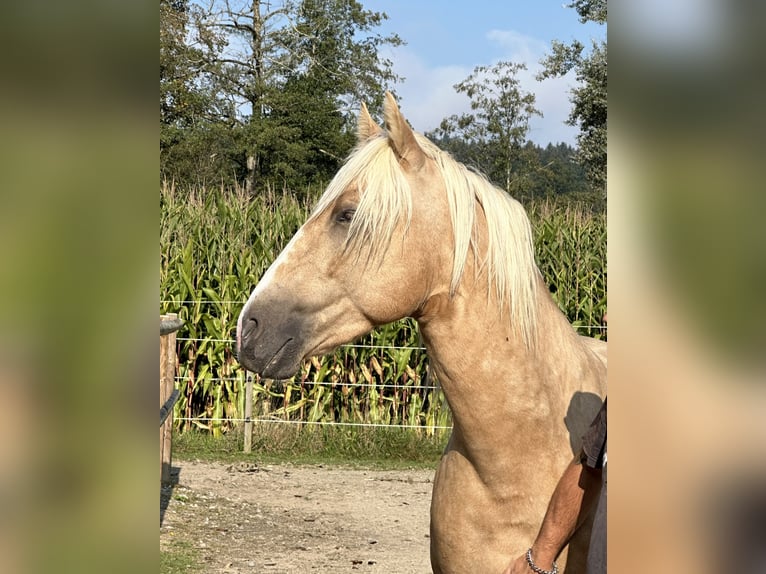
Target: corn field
point(216, 243)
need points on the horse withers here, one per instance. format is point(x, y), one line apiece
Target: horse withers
point(403, 230)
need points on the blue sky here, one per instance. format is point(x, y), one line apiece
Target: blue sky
point(447, 40)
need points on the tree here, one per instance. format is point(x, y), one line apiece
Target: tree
point(498, 126)
point(543, 173)
point(194, 141)
point(180, 100)
point(292, 70)
point(589, 106)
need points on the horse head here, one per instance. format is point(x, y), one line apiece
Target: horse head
point(371, 252)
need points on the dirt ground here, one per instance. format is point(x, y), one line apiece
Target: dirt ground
point(281, 518)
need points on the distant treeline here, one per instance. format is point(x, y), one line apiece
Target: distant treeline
point(264, 96)
point(539, 173)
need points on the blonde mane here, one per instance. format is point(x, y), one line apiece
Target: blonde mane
point(386, 199)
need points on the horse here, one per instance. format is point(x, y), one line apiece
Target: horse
point(404, 230)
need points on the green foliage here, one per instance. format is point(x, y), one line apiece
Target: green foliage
point(180, 558)
point(216, 243)
point(590, 10)
point(557, 173)
point(589, 97)
point(273, 84)
point(179, 98)
point(192, 139)
point(538, 172)
point(570, 246)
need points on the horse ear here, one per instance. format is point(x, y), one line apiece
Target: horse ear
point(401, 136)
point(366, 127)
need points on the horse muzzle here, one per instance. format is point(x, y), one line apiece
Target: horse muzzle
point(268, 343)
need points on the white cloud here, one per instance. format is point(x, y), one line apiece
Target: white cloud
point(553, 100)
point(518, 47)
point(427, 95)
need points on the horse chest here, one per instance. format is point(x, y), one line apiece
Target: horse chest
point(476, 527)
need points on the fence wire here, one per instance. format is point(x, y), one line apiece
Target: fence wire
point(211, 302)
point(320, 423)
point(199, 420)
point(182, 379)
point(349, 346)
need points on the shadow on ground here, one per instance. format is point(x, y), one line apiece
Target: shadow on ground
point(166, 491)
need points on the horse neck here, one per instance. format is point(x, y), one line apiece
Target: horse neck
point(480, 359)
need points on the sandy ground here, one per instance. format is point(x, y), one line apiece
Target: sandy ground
point(283, 518)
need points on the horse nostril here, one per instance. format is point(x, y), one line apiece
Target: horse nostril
point(250, 327)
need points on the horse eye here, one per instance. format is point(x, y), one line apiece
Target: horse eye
point(345, 216)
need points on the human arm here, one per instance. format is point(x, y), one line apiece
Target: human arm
point(572, 500)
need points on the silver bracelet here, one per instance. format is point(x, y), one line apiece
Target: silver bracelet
point(537, 569)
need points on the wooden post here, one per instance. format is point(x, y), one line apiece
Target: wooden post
point(168, 362)
point(248, 411)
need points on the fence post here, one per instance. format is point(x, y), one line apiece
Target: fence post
point(169, 324)
point(248, 411)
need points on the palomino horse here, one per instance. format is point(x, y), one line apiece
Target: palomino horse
point(403, 230)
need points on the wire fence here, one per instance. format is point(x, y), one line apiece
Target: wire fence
point(328, 383)
point(349, 346)
point(296, 385)
point(315, 423)
point(212, 302)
